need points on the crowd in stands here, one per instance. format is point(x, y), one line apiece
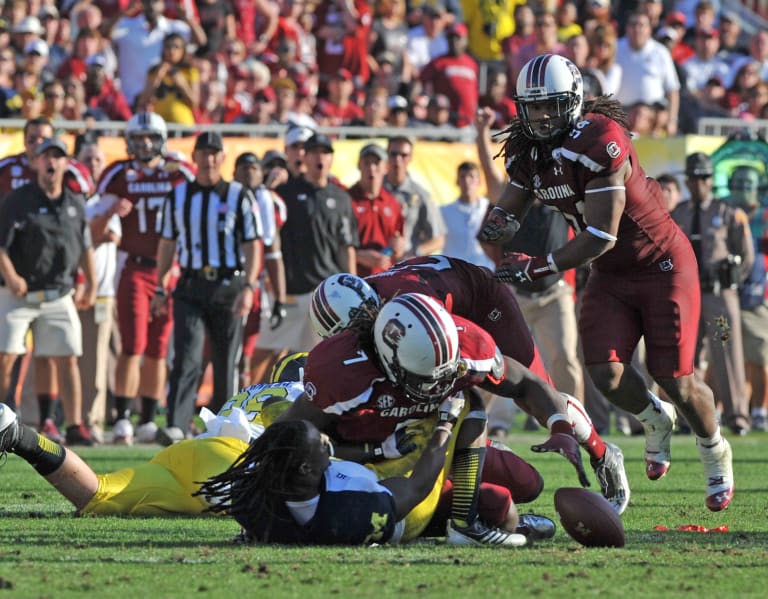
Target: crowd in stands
point(420, 63)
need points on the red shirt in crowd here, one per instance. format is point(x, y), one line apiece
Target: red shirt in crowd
point(379, 220)
point(351, 51)
point(457, 78)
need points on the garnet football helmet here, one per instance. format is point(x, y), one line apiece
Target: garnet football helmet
point(553, 85)
point(418, 345)
point(140, 126)
point(337, 301)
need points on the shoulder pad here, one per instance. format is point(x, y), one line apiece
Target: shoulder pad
point(598, 143)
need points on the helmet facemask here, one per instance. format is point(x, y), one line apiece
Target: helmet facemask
point(559, 109)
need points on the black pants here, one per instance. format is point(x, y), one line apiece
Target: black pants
point(201, 306)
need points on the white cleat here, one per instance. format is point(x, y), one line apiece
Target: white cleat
point(658, 437)
point(478, 534)
point(718, 468)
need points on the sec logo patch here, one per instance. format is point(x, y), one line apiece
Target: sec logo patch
point(613, 149)
point(310, 390)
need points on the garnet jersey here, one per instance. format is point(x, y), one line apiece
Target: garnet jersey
point(468, 291)
point(15, 171)
point(341, 379)
point(146, 188)
point(596, 147)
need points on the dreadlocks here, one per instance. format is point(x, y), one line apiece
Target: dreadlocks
point(261, 478)
point(517, 144)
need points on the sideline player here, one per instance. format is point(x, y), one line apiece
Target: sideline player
point(135, 189)
point(643, 281)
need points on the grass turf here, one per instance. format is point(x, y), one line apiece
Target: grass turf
point(47, 552)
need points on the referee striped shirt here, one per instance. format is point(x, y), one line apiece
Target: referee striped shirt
point(209, 223)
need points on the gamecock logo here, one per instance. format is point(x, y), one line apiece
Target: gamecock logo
point(392, 333)
point(613, 149)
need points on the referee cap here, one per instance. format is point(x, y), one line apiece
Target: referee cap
point(51, 142)
point(209, 140)
point(247, 158)
point(289, 369)
point(699, 164)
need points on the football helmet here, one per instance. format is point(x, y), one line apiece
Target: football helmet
point(337, 301)
point(141, 125)
point(418, 345)
point(289, 369)
point(551, 85)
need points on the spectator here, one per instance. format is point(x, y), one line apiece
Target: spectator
point(734, 41)
point(256, 22)
point(102, 94)
point(398, 112)
point(598, 12)
point(705, 64)
point(736, 97)
point(133, 190)
point(218, 278)
point(378, 214)
point(389, 34)
point(654, 9)
point(386, 75)
point(670, 187)
point(758, 51)
point(27, 30)
point(39, 253)
point(54, 36)
point(464, 216)
point(456, 75)
point(567, 21)
point(53, 99)
point(338, 109)
point(96, 322)
point(36, 58)
point(673, 32)
point(489, 22)
point(653, 78)
point(288, 27)
point(375, 109)
point(88, 43)
point(525, 21)
point(173, 86)
point(497, 99)
point(704, 17)
point(212, 99)
point(544, 42)
point(719, 233)
point(424, 229)
point(602, 44)
point(757, 101)
point(139, 40)
point(318, 239)
point(217, 19)
point(577, 50)
point(426, 41)
point(438, 112)
point(343, 29)
point(74, 103)
point(285, 99)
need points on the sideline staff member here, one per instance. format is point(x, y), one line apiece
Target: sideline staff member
point(44, 236)
point(217, 228)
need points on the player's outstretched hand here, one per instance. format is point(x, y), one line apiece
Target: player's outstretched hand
point(398, 444)
point(568, 447)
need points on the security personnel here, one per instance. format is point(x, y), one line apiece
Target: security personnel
point(722, 242)
point(217, 228)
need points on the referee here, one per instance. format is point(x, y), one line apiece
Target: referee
point(216, 228)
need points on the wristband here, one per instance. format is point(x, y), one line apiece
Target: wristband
point(551, 263)
point(373, 451)
point(160, 291)
point(442, 427)
point(331, 451)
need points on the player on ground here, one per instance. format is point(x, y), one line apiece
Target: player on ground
point(643, 281)
point(471, 292)
point(134, 189)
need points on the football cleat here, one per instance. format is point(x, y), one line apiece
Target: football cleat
point(78, 434)
point(535, 528)
point(10, 431)
point(169, 436)
point(478, 534)
point(146, 433)
point(51, 431)
point(658, 434)
point(612, 477)
point(718, 468)
point(123, 432)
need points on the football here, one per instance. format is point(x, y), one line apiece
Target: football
point(589, 518)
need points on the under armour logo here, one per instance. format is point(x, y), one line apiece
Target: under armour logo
point(558, 170)
point(521, 276)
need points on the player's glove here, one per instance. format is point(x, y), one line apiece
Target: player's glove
point(398, 444)
point(278, 315)
point(499, 227)
point(517, 267)
point(568, 447)
point(450, 408)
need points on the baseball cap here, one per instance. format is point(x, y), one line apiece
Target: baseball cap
point(274, 157)
point(36, 47)
point(297, 135)
point(284, 82)
point(458, 30)
point(699, 164)
point(667, 33)
point(51, 142)
point(266, 94)
point(435, 9)
point(209, 140)
point(676, 18)
point(708, 33)
point(29, 25)
point(730, 16)
point(397, 103)
point(48, 10)
point(373, 150)
point(439, 101)
point(96, 60)
point(319, 141)
point(343, 74)
point(247, 158)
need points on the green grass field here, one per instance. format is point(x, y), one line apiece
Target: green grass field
point(47, 552)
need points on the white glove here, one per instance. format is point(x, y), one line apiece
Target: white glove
point(450, 408)
point(398, 444)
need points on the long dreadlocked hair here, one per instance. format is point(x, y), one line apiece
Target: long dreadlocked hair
point(516, 143)
point(258, 482)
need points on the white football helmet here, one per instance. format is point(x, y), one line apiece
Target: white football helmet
point(418, 345)
point(554, 83)
point(337, 300)
point(141, 125)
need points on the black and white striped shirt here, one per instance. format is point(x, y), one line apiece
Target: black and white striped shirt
point(210, 223)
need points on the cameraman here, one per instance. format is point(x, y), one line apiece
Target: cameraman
point(722, 242)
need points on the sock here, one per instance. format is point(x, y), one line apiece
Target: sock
point(45, 403)
point(584, 430)
point(148, 409)
point(709, 442)
point(467, 472)
point(41, 453)
point(123, 406)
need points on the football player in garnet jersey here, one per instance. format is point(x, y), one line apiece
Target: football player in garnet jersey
point(133, 190)
point(471, 292)
point(578, 157)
